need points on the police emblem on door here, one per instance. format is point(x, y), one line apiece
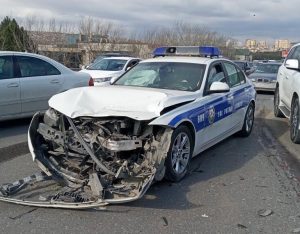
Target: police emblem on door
point(211, 115)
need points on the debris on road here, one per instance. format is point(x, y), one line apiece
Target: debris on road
point(265, 212)
point(241, 226)
point(296, 230)
point(166, 223)
point(204, 216)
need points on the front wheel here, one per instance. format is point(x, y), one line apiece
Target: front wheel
point(294, 121)
point(179, 154)
point(248, 121)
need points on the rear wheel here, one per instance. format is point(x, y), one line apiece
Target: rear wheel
point(294, 121)
point(248, 121)
point(277, 111)
point(179, 154)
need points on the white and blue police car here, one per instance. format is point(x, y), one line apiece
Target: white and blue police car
point(108, 143)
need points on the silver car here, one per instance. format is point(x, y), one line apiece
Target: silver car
point(265, 76)
point(27, 81)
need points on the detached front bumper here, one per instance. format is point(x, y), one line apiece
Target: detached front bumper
point(73, 177)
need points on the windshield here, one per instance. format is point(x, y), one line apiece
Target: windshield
point(164, 75)
point(267, 68)
point(108, 65)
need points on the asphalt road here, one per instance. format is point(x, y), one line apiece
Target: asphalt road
point(226, 188)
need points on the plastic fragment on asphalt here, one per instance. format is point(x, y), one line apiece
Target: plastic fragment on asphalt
point(204, 216)
point(296, 230)
point(166, 223)
point(241, 226)
point(265, 212)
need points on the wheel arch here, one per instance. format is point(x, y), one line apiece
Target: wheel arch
point(295, 95)
point(191, 127)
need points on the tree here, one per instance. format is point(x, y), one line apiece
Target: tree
point(14, 38)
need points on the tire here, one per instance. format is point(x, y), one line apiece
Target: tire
point(179, 157)
point(277, 111)
point(248, 121)
point(294, 121)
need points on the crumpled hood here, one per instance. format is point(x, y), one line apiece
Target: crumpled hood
point(101, 74)
point(135, 103)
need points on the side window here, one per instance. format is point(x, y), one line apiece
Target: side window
point(233, 76)
point(296, 53)
point(215, 73)
point(241, 76)
point(30, 66)
point(291, 52)
point(6, 67)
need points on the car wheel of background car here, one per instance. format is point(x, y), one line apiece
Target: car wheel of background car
point(179, 154)
point(248, 121)
point(294, 121)
point(277, 111)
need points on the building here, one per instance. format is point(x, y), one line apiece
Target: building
point(74, 50)
point(282, 44)
point(263, 45)
point(250, 44)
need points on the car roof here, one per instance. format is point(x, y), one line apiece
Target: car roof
point(58, 65)
point(184, 59)
point(120, 58)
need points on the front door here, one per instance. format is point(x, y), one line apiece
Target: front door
point(218, 108)
point(10, 103)
point(39, 82)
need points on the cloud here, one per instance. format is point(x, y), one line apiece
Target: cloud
point(242, 19)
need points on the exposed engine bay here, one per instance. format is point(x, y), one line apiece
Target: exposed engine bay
point(89, 162)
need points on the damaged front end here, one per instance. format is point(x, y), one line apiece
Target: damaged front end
point(89, 162)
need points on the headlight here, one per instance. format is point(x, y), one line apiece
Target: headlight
point(253, 79)
point(104, 79)
point(273, 81)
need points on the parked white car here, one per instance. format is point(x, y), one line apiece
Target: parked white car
point(28, 81)
point(110, 68)
point(287, 92)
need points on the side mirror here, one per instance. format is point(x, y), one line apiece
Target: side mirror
point(292, 64)
point(218, 87)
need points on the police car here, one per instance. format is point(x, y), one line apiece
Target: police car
point(104, 145)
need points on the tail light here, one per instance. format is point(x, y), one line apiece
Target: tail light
point(91, 82)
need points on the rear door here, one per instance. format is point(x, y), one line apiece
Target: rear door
point(39, 81)
point(10, 103)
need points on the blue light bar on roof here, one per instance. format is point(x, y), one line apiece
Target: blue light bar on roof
point(205, 51)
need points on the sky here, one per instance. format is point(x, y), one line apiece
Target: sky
point(240, 19)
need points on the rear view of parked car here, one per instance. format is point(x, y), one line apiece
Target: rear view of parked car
point(28, 81)
point(265, 76)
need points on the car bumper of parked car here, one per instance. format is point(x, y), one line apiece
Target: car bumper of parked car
point(265, 86)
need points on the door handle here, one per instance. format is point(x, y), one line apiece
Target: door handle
point(230, 98)
point(13, 85)
point(55, 81)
